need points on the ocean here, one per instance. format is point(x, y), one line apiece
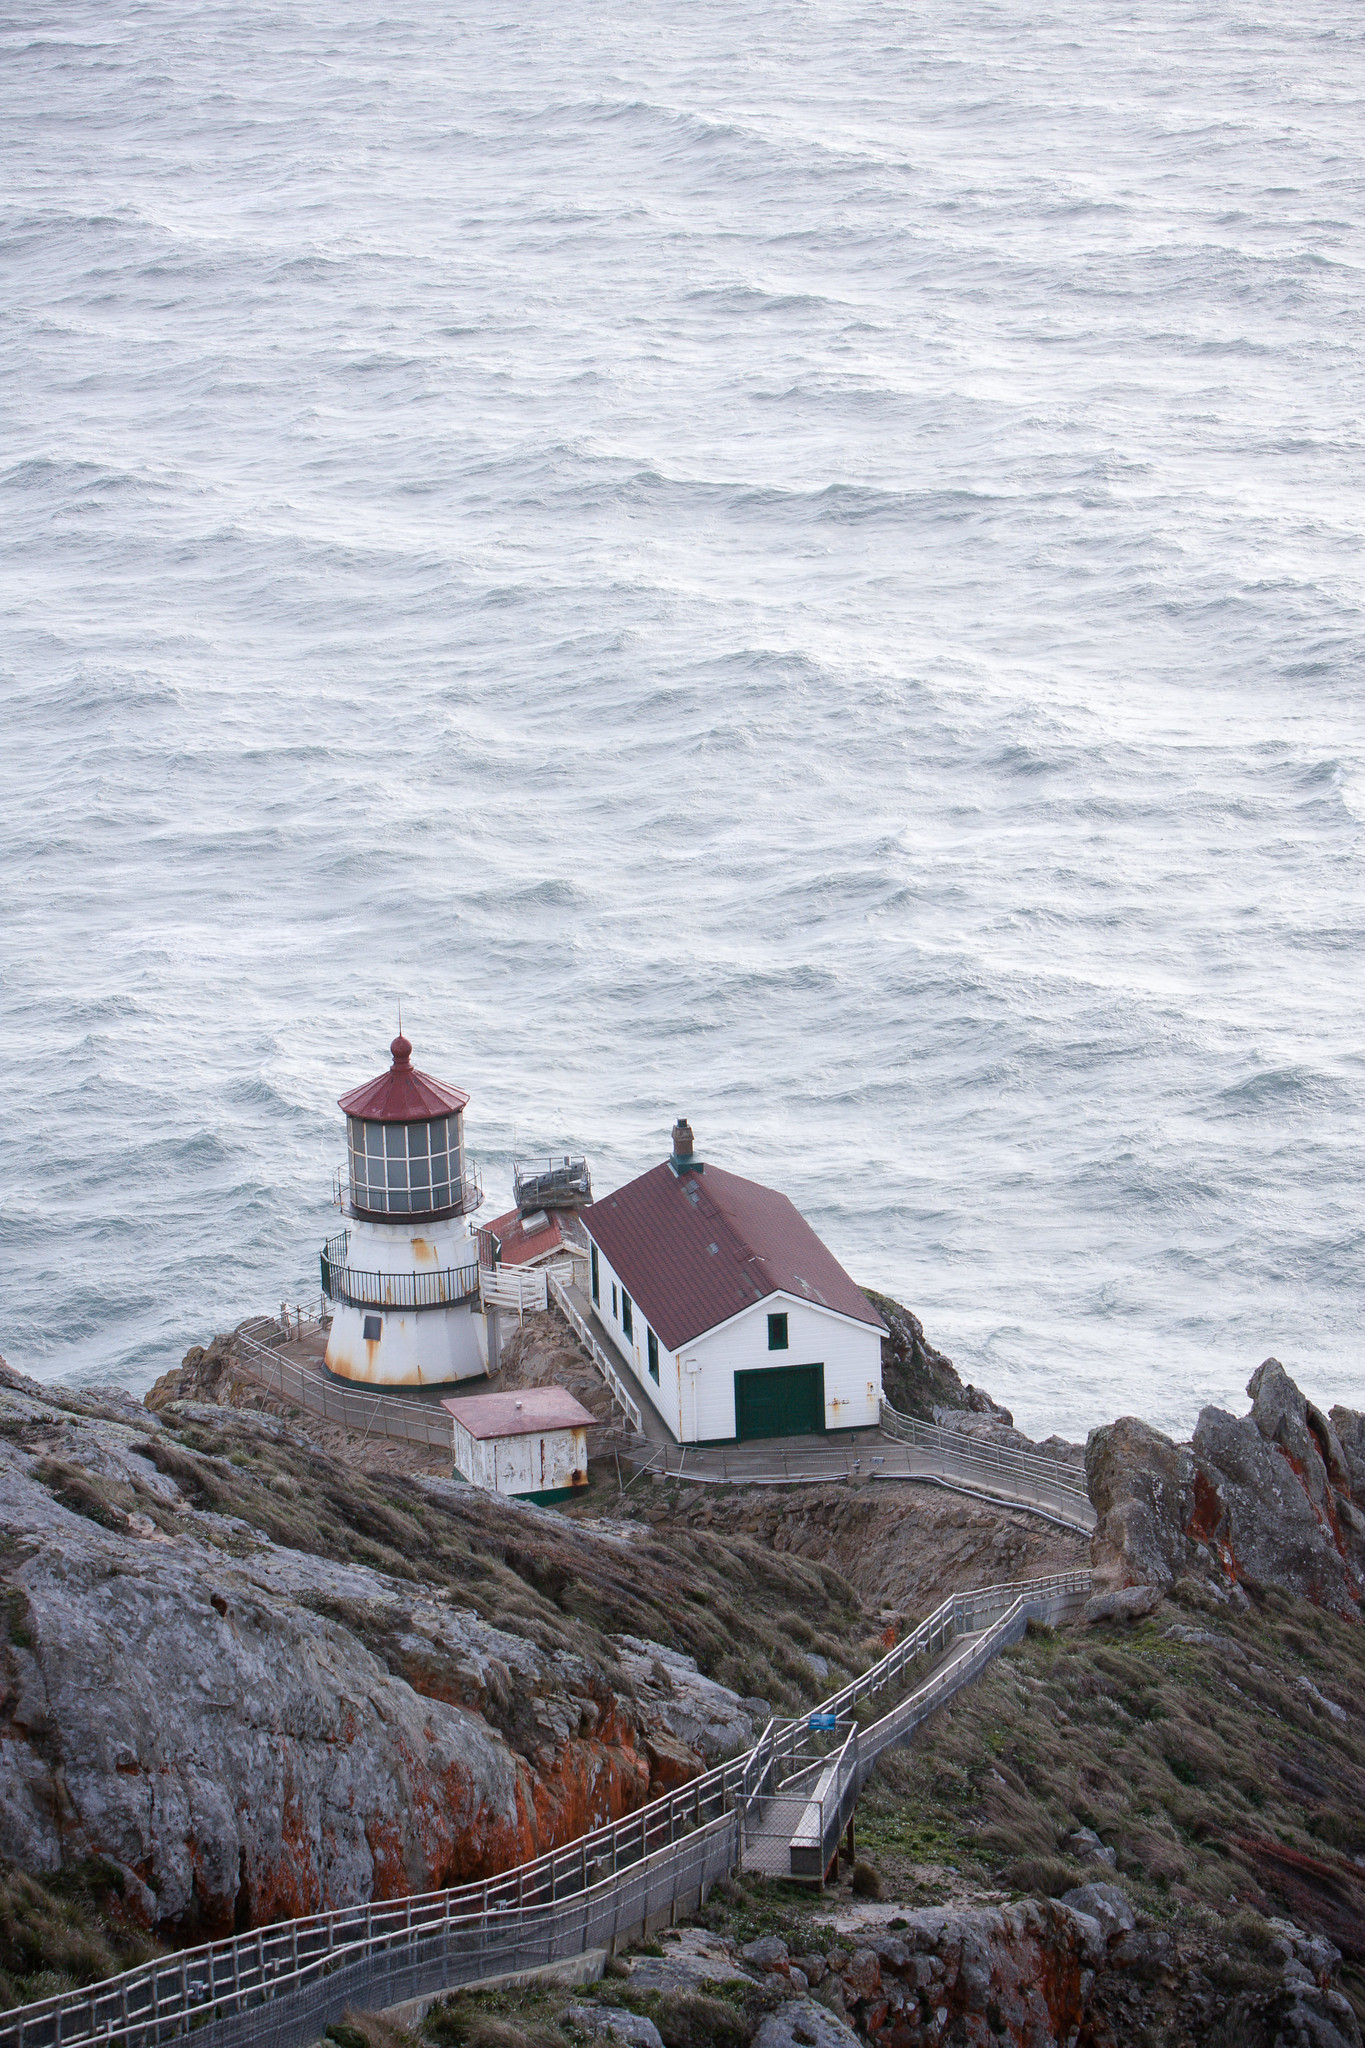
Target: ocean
point(799, 564)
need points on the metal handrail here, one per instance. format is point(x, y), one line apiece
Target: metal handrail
point(374, 1414)
point(445, 1288)
point(1037, 1599)
point(1047, 1598)
point(817, 1464)
point(831, 1803)
point(470, 1185)
point(999, 1457)
point(156, 2001)
point(620, 1393)
point(564, 1186)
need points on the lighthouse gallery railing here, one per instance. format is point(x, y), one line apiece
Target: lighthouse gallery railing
point(445, 1288)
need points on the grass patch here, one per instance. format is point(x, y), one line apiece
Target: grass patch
point(1228, 1793)
point(64, 1931)
point(727, 1600)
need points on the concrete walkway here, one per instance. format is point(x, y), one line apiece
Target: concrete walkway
point(787, 1810)
point(967, 1467)
point(655, 1428)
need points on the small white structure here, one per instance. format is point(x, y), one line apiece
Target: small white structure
point(403, 1276)
point(533, 1444)
point(733, 1317)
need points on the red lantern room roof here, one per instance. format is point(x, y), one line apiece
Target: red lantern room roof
point(403, 1095)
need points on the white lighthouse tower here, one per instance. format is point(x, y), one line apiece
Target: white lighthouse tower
point(403, 1276)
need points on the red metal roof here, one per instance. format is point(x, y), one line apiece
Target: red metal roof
point(519, 1247)
point(518, 1414)
point(694, 1249)
point(403, 1095)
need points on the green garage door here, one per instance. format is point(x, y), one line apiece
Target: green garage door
point(784, 1400)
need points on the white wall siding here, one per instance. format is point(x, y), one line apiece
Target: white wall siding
point(666, 1396)
point(423, 1347)
point(543, 1462)
point(699, 1406)
point(850, 1352)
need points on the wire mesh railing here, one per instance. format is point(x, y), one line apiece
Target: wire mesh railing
point(269, 1986)
point(411, 1422)
point(1051, 1491)
point(620, 1392)
point(1050, 1478)
point(814, 1841)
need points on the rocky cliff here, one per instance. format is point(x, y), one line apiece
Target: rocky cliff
point(1270, 1500)
point(256, 1684)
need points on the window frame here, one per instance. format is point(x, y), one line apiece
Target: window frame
point(779, 1331)
point(596, 1279)
point(652, 1354)
point(627, 1315)
point(396, 1169)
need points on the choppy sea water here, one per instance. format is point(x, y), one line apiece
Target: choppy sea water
point(797, 563)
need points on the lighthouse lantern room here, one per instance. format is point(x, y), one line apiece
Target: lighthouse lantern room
point(403, 1276)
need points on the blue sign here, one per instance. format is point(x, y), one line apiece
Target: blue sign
point(823, 1721)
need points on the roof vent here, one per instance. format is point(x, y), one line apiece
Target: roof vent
point(684, 1160)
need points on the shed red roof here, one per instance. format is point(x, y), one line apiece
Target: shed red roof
point(518, 1414)
point(520, 1246)
point(696, 1248)
point(403, 1095)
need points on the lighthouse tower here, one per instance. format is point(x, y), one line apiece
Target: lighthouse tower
point(403, 1276)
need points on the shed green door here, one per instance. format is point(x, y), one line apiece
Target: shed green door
point(782, 1400)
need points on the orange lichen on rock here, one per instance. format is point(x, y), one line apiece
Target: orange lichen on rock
point(1272, 1499)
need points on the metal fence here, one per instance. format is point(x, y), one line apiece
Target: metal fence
point(559, 1184)
point(1046, 1479)
point(814, 1840)
point(813, 1843)
point(789, 1755)
point(955, 1463)
point(447, 1287)
point(372, 1414)
point(277, 1987)
point(620, 1392)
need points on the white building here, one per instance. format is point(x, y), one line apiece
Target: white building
point(403, 1276)
point(734, 1318)
point(533, 1444)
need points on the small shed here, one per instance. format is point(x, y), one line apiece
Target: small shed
point(532, 1443)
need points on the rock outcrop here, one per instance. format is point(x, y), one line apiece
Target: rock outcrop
point(702, 1719)
point(1275, 1499)
point(920, 1381)
point(208, 1372)
point(1038, 1974)
point(252, 1731)
point(1020, 1974)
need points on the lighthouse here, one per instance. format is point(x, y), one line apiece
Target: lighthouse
point(403, 1276)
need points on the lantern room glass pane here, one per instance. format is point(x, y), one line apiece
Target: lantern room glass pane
point(419, 1174)
point(440, 1195)
point(394, 1135)
point(417, 1140)
point(374, 1140)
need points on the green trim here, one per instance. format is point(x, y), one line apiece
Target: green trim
point(541, 1500)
